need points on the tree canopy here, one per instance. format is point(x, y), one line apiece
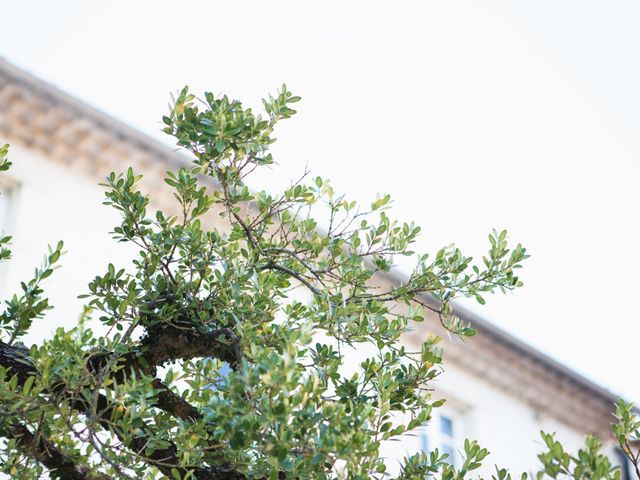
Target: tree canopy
point(228, 345)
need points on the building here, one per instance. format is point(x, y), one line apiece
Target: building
point(500, 391)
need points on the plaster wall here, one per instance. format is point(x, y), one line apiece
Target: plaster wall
point(50, 201)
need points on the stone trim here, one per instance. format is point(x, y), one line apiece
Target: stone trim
point(547, 386)
point(41, 117)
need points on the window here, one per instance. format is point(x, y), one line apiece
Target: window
point(443, 432)
point(625, 465)
point(219, 374)
point(7, 191)
point(424, 440)
point(5, 195)
point(8, 195)
point(447, 439)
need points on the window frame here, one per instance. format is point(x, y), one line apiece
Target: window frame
point(9, 189)
point(433, 434)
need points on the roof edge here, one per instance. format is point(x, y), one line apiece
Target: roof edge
point(485, 327)
point(105, 120)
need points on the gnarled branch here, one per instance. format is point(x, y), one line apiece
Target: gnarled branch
point(60, 465)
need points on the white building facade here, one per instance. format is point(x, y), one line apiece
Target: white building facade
point(499, 390)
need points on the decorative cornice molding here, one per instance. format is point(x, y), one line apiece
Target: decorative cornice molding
point(529, 376)
point(41, 117)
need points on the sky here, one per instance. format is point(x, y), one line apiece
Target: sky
point(472, 115)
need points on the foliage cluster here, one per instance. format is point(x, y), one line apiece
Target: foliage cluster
point(281, 290)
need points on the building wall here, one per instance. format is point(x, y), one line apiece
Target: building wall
point(504, 424)
point(51, 201)
point(507, 427)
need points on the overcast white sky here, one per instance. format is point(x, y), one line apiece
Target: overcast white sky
point(473, 115)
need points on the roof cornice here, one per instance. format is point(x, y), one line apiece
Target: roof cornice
point(39, 116)
point(49, 96)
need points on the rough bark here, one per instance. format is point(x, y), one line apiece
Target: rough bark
point(60, 465)
point(16, 359)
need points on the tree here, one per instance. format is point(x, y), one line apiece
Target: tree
point(150, 398)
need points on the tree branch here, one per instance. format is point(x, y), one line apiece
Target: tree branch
point(275, 266)
point(16, 359)
point(174, 404)
point(172, 343)
point(60, 465)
